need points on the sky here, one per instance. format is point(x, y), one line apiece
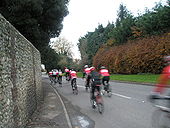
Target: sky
point(85, 15)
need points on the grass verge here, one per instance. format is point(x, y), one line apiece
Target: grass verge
point(143, 78)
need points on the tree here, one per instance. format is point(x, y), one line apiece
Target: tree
point(62, 46)
point(37, 20)
point(122, 14)
point(156, 21)
point(53, 58)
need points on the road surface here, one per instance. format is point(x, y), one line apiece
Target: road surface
point(127, 108)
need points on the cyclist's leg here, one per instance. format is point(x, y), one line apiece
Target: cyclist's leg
point(61, 79)
point(108, 79)
point(75, 83)
point(84, 74)
point(92, 91)
point(104, 83)
point(88, 80)
point(72, 80)
point(55, 80)
point(69, 77)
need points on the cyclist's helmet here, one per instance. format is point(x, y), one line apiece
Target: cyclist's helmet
point(92, 68)
point(102, 67)
point(86, 66)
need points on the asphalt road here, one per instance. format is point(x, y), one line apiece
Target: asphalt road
point(127, 108)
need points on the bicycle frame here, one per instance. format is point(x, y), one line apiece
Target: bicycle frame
point(98, 101)
point(74, 86)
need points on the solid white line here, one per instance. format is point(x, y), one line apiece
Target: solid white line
point(116, 94)
point(81, 86)
point(64, 107)
point(162, 107)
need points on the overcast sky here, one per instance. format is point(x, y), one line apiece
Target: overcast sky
point(85, 15)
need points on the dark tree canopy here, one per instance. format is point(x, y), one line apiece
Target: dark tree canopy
point(37, 20)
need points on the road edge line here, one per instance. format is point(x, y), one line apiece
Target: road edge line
point(64, 108)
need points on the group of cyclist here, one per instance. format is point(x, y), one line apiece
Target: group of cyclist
point(95, 78)
point(55, 76)
point(89, 74)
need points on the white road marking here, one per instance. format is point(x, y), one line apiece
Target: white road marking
point(123, 96)
point(116, 94)
point(64, 107)
point(81, 86)
point(84, 123)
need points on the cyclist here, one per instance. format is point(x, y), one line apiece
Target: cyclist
point(60, 76)
point(73, 75)
point(87, 71)
point(105, 76)
point(67, 73)
point(162, 81)
point(55, 74)
point(96, 81)
point(50, 74)
point(84, 72)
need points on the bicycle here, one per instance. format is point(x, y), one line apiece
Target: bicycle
point(60, 81)
point(107, 88)
point(97, 101)
point(87, 87)
point(67, 77)
point(53, 80)
point(161, 117)
point(74, 86)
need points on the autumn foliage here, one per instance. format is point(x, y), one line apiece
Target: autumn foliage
point(143, 55)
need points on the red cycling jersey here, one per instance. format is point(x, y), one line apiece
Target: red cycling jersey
point(163, 80)
point(67, 70)
point(73, 74)
point(50, 73)
point(87, 70)
point(104, 72)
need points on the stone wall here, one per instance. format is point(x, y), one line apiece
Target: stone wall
point(20, 77)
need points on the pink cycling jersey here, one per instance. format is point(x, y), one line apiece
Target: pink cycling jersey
point(87, 70)
point(104, 72)
point(163, 80)
point(66, 70)
point(50, 73)
point(73, 74)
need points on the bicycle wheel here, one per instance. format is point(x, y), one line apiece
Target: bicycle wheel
point(51, 80)
point(86, 86)
point(109, 90)
point(93, 103)
point(60, 81)
point(100, 107)
point(161, 119)
point(75, 89)
point(100, 104)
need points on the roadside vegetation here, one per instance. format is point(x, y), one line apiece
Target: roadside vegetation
point(132, 44)
point(141, 78)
